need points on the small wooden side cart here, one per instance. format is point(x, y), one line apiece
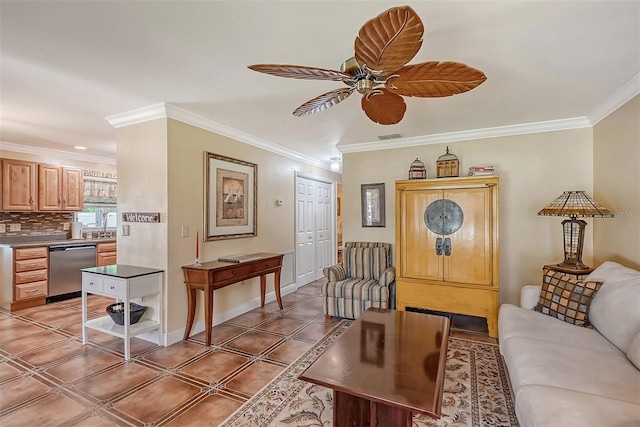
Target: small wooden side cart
point(122, 282)
point(213, 275)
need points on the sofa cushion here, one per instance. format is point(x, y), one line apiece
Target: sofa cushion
point(566, 298)
point(515, 322)
point(543, 406)
point(615, 310)
point(535, 362)
point(633, 352)
point(357, 289)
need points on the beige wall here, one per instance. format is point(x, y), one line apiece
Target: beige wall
point(161, 169)
point(616, 165)
point(534, 169)
point(142, 187)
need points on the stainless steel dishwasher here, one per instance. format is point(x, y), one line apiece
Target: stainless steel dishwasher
point(65, 262)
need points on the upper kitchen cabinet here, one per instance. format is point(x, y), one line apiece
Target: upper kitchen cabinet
point(19, 185)
point(60, 188)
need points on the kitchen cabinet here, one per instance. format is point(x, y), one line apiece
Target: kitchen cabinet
point(60, 188)
point(30, 187)
point(19, 185)
point(123, 283)
point(30, 277)
point(106, 254)
point(447, 246)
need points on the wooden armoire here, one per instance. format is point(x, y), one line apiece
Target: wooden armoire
point(447, 256)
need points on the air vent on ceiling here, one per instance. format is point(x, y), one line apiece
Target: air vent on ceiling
point(389, 136)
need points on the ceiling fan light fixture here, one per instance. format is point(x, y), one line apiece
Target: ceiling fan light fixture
point(364, 86)
point(379, 71)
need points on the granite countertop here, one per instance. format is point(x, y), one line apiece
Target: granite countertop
point(48, 240)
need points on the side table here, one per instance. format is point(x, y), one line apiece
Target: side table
point(122, 282)
point(573, 273)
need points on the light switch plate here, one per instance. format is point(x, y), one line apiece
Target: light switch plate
point(3, 228)
point(65, 226)
point(185, 231)
point(15, 227)
point(125, 229)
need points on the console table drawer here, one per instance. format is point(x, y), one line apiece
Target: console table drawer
point(267, 265)
point(232, 273)
point(31, 276)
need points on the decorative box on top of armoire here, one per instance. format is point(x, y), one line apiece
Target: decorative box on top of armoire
point(447, 256)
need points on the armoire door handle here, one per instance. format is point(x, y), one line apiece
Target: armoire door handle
point(439, 246)
point(447, 247)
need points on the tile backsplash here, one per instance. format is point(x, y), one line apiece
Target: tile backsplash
point(32, 223)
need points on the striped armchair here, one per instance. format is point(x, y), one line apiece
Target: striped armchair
point(364, 279)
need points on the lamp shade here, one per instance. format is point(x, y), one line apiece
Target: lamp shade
point(576, 204)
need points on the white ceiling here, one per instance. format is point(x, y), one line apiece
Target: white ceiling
point(67, 65)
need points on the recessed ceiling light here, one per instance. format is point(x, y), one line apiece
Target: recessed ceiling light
point(79, 147)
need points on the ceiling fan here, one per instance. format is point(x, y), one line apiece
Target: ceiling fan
point(378, 71)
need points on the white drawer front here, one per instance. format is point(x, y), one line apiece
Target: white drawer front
point(92, 283)
point(115, 287)
point(144, 285)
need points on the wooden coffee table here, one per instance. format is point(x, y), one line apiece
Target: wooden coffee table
point(386, 366)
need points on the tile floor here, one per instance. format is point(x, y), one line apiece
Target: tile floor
point(49, 378)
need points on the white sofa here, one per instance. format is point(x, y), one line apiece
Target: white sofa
point(565, 375)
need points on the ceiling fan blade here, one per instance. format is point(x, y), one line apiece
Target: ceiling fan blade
point(388, 41)
point(301, 72)
point(322, 102)
point(384, 107)
point(435, 79)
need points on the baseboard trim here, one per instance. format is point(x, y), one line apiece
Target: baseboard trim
point(218, 318)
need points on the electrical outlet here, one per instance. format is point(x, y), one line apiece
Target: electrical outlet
point(3, 228)
point(125, 229)
point(15, 227)
point(65, 226)
point(185, 231)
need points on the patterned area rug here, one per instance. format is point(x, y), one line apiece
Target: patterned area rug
point(476, 391)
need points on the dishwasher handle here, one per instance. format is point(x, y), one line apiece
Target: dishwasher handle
point(70, 248)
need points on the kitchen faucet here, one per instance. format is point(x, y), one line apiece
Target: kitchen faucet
point(105, 215)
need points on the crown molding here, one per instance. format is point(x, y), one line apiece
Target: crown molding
point(495, 132)
point(163, 110)
point(140, 115)
point(617, 100)
point(38, 151)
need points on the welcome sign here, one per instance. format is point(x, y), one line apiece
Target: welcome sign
point(140, 217)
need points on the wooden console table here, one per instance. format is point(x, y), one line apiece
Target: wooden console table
point(213, 275)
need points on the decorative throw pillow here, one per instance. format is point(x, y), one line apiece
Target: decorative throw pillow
point(565, 298)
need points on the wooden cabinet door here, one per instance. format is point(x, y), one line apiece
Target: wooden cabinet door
point(19, 186)
point(60, 188)
point(471, 249)
point(49, 188)
point(72, 189)
point(419, 259)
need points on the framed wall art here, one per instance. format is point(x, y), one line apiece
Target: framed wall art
point(230, 198)
point(372, 205)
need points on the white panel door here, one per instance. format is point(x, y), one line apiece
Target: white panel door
point(305, 229)
point(314, 229)
point(324, 231)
